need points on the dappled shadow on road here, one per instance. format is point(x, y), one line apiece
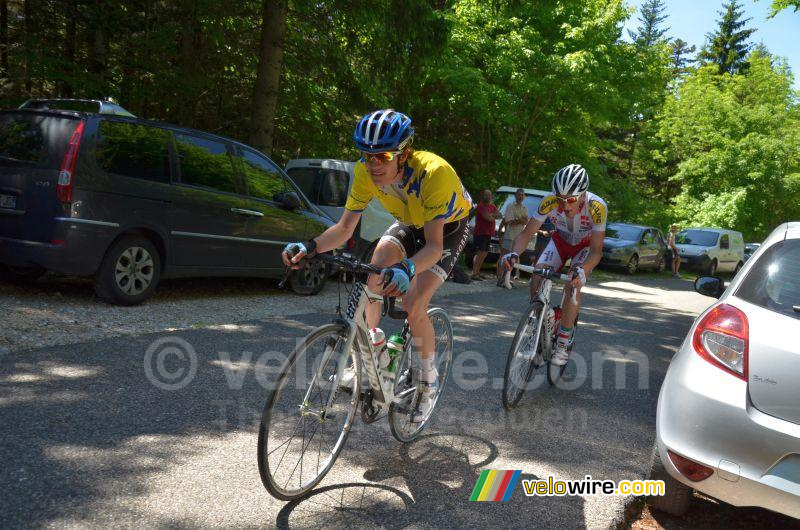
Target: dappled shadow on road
point(92, 434)
point(708, 513)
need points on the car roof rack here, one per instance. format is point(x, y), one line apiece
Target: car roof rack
point(97, 106)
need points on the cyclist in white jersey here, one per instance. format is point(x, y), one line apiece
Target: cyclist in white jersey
point(579, 217)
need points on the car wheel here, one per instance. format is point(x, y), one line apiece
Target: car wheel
point(633, 265)
point(677, 496)
point(310, 279)
point(738, 268)
point(129, 272)
point(712, 268)
point(661, 264)
point(20, 274)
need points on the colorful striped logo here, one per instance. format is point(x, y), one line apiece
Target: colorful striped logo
point(494, 485)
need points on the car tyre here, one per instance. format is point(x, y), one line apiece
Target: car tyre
point(662, 265)
point(310, 278)
point(712, 267)
point(738, 268)
point(677, 495)
point(469, 259)
point(130, 271)
point(633, 265)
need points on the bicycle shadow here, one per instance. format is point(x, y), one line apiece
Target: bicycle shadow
point(439, 471)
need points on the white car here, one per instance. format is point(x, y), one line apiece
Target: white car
point(710, 250)
point(728, 419)
point(326, 183)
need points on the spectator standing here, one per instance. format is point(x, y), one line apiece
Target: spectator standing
point(676, 258)
point(485, 214)
point(514, 221)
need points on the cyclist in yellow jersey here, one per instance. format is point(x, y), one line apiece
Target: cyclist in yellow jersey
point(422, 191)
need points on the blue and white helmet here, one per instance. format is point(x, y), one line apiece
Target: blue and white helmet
point(570, 180)
point(383, 130)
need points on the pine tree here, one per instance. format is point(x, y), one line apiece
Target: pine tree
point(650, 17)
point(681, 60)
point(728, 47)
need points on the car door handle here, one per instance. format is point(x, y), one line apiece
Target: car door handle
point(242, 211)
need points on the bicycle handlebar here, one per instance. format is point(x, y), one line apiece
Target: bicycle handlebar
point(544, 273)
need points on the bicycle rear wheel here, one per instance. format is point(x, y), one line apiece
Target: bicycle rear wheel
point(300, 435)
point(407, 378)
point(518, 369)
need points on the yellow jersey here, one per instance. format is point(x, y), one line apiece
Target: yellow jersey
point(429, 190)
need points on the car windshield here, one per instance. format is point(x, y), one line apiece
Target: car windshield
point(530, 201)
point(628, 233)
point(774, 281)
point(702, 238)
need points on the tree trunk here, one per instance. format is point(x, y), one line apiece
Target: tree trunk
point(265, 92)
point(3, 38)
point(68, 89)
point(96, 37)
point(189, 64)
point(27, 11)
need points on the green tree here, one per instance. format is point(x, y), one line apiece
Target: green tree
point(681, 57)
point(728, 47)
point(780, 5)
point(734, 141)
point(651, 18)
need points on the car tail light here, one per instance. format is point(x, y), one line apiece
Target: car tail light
point(689, 468)
point(351, 243)
point(721, 338)
point(67, 170)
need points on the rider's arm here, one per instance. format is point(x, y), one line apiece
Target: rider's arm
point(331, 238)
point(434, 244)
point(595, 252)
point(522, 240)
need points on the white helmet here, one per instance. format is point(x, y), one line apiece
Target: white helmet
point(570, 180)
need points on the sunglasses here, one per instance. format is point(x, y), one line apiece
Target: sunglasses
point(567, 200)
point(386, 156)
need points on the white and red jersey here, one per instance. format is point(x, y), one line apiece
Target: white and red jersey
point(591, 217)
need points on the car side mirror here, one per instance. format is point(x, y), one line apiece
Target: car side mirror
point(709, 286)
point(289, 200)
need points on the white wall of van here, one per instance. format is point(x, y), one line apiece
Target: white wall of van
point(711, 249)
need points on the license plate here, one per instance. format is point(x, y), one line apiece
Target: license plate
point(8, 201)
point(494, 249)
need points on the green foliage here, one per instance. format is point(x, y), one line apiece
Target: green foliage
point(650, 31)
point(728, 47)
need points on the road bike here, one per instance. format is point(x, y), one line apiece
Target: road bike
point(537, 332)
point(308, 415)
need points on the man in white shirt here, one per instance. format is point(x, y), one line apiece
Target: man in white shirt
point(514, 221)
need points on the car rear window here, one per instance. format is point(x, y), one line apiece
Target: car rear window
point(35, 139)
point(322, 186)
point(626, 233)
point(132, 150)
point(774, 280)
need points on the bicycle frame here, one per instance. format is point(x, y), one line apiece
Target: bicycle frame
point(543, 295)
point(381, 381)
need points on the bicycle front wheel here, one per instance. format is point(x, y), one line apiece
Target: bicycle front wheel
point(519, 367)
point(308, 415)
point(407, 378)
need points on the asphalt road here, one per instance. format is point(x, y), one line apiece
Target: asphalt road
point(88, 439)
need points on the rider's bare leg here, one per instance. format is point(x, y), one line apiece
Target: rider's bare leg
point(570, 310)
point(415, 303)
point(386, 253)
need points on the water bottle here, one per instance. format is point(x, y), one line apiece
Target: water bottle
point(395, 347)
point(378, 339)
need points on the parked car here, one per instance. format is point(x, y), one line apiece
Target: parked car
point(327, 183)
point(750, 249)
point(710, 250)
point(728, 418)
point(129, 201)
point(633, 247)
point(505, 196)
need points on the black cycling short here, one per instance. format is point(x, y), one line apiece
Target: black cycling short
point(411, 239)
